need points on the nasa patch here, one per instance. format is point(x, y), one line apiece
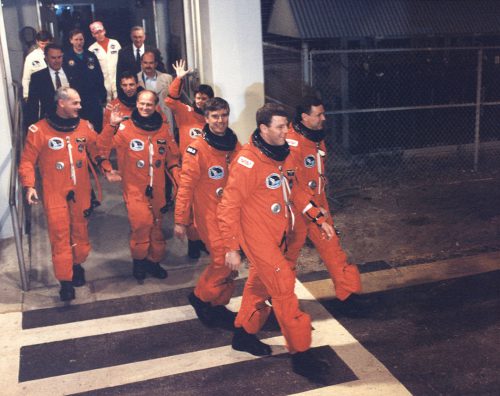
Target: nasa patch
point(273, 181)
point(195, 132)
point(191, 150)
point(136, 145)
point(245, 162)
point(56, 143)
point(309, 161)
point(81, 139)
point(216, 172)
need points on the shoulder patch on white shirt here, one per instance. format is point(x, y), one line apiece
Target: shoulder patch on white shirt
point(33, 128)
point(292, 142)
point(245, 162)
point(191, 150)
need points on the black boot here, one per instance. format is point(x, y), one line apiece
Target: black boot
point(193, 249)
point(78, 275)
point(245, 342)
point(67, 292)
point(224, 318)
point(155, 269)
point(310, 367)
point(139, 270)
point(204, 310)
point(202, 246)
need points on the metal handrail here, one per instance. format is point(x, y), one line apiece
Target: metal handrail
point(17, 212)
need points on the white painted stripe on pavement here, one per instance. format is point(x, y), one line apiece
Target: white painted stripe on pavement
point(417, 274)
point(141, 371)
point(374, 378)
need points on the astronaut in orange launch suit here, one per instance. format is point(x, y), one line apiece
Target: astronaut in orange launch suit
point(256, 214)
point(306, 140)
point(62, 145)
point(190, 119)
point(202, 180)
point(146, 153)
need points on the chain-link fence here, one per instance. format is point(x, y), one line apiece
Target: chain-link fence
point(397, 113)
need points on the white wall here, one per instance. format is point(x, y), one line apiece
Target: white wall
point(231, 52)
point(5, 134)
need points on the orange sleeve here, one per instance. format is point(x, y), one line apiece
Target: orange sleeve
point(95, 150)
point(189, 176)
point(29, 157)
point(241, 183)
point(105, 140)
point(174, 94)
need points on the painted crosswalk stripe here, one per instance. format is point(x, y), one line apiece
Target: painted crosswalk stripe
point(372, 376)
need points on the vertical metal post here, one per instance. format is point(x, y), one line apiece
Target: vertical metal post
point(478, 107)
point(306, 78)
point(344, 97)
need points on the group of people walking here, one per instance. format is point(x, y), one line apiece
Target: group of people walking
point(260, 199)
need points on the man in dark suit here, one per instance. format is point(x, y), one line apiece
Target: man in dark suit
point(129, 57)
point(44, 83)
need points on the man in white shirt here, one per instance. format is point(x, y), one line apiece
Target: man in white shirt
point(151, 79)
point(106, 51)
point(35, 60)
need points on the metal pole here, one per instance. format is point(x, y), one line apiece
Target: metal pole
point(305, 64)
point(478, 107)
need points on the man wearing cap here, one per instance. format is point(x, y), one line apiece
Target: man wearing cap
point(106, 51)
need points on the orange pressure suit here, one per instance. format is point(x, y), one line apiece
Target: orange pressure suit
point(255, 214)
point(145, 151)
point(61, 148)
point(310, 155)
point(190, 121)
point(202, 180)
